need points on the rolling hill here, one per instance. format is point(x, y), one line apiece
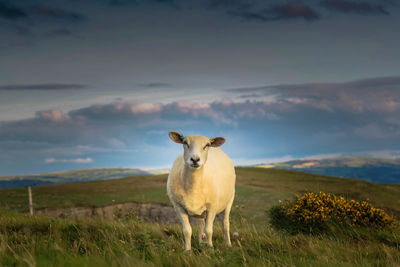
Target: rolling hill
point(257, 190)
point(68, 177)
point(375, 170)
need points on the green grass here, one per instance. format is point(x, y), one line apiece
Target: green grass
point(94, 193)
point(42, 241)
point(257, 190)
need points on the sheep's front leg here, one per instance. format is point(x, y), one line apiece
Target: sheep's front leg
point(186, 228)
point(209, 227)
point(201, 223)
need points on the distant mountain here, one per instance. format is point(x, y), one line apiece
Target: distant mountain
point(80, 175)
point(375, 170)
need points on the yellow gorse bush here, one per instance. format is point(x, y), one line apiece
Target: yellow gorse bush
point(322, 207)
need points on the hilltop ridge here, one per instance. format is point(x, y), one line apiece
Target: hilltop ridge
point(377, 170)
point(79, 175)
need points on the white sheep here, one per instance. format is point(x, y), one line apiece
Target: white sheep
point(201, 184)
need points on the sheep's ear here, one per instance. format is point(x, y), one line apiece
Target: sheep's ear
point(176, 137)
point(217, 141)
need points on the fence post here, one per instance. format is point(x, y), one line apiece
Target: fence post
point(30, 200)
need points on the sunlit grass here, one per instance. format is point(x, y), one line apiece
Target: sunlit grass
point(42, 241)
point(257, 190)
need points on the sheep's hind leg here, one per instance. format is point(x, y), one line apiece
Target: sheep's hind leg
point(225, 223)
point(186, 228)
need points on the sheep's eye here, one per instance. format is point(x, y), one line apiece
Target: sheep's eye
point(186, 144)
point(206, 146)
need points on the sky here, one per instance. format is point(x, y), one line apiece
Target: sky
point(100, 83)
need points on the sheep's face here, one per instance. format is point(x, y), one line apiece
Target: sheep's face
point(195, 148)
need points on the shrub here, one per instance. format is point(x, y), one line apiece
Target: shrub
point(314, 212)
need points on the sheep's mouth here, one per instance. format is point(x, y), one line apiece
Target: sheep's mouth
point(195, 166)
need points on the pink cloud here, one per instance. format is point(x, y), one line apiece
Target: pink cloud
point(54, 115)
point(77, 160)
point(137, 108)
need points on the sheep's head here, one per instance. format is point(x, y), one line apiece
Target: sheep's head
point(195, 148)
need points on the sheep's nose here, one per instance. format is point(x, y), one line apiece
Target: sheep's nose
point(195, 159)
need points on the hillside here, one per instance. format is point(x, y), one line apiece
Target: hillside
point(68, 177)
point(257, 190)
point(44, 241)
point(375, 170)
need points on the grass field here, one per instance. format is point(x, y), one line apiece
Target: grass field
point(43, 241)
point(257, 190)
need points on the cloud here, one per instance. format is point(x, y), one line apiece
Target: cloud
point(173, 3)
point(33, 21)
point(140, 112)
point(45, 86)
point(381, 94)
point(264, 13)
point(59, 32)
point(247, 162)
point(293, 10)
point(300, 120)
point(10, 12)
point(360, 7)
point(55, 13)
point(77, 160)
point(155, 85)
point(53, 115)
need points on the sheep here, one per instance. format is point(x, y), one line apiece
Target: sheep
point(201, 184)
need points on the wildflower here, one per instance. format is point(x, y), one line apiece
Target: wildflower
point(321, 207)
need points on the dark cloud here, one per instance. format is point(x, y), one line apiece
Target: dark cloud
point(45, 86)
point(359, 7)
point(59, 32)
point(264, 12)
point(55, 13)
point(136, 2)
point(380, 94)
point(10, 12)
point(291, 11)
point(155, 85)
point(165, 1)
point(33, 21)
point(253, 12)
point(234, 4)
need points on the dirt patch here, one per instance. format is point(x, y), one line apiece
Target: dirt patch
point(150, 212)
